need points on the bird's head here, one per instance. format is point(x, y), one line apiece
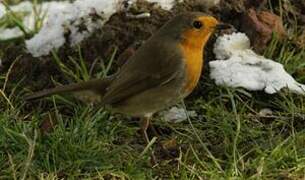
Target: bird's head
point(193, 28)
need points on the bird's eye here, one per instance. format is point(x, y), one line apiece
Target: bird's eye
point(197, 24)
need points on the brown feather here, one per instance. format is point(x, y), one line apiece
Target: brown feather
point(97, 85)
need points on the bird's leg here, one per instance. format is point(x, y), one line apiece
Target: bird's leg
point(153, 130)
point(145, 122)
point(144, 126)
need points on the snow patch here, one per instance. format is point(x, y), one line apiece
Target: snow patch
point(2, 10)
point(165, 4)
point(78, 20)
point(238, 66)
point(177, 115)
point(26, 8)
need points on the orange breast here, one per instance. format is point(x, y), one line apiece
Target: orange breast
point(193, 58)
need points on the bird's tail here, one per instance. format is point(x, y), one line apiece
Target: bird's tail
point(98, 86)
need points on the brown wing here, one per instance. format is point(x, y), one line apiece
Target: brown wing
point(152, 65)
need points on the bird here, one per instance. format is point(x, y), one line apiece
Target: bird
point(160, 73)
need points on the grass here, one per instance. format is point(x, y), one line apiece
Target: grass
point(61, 137)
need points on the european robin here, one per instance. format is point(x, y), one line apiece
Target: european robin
point(163, 71)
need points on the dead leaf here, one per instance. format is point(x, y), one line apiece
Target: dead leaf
point(170, 144)
point(260, 26)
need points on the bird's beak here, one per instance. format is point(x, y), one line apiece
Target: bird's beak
point(222, 26)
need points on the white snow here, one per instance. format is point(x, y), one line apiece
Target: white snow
point(177, 115)
point(7, 33)
point(26, 8)
point(10, 33)
point(2, 10)
point(168, 4)
point(238, 66)
point(76, 19)
point(165, 4)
